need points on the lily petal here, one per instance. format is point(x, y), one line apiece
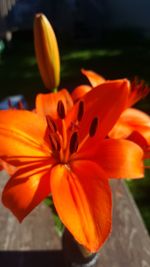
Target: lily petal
point(120, 158)
point(94, 78)
point(1, 165)
point(21, 196)
point(22, 137)
point(82, 198)
point(132, 120)
point(80, 91)
point(137, 138)
point(10, 169)
point(100, 103)
point(46, 104)
point(139, 90)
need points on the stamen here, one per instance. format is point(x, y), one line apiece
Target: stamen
point(58, 143)
point(74, 143)
point(93, 127)
point(51, 124)
point(61, 110)
point(54, 143)
point(80, 111)
point(91, 133)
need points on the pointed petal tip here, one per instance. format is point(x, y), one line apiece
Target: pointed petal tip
point(39, 16)
point(93, 77)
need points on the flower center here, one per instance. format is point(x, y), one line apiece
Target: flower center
point(65, 142)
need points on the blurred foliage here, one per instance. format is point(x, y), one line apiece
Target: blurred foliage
point(19, 72)
point(113, 59)
point(57, 222)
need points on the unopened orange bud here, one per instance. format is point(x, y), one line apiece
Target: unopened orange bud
point(47, 52)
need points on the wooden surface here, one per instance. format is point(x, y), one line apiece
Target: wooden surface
point(35, 243)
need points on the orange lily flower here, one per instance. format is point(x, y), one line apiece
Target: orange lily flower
point(47, 52)
point(132, 124)
point(70, 158)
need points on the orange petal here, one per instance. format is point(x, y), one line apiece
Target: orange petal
point(94, 78)
point(22, 135)
point(100, 103)
point(132, 120)
point(46, 104)
point(147, 155)
point(80, 91)
point(10, 169)
point(47, 52)
point(120, 158)
point(1, 165)
point(21, 196)
point(120, 130)
point(138, 139)
point(138, 91)
point(82, 198)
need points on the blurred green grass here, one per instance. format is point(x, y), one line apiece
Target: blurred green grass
point(19, 75)
point(141, 192)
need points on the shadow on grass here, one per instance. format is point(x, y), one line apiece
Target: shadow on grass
point(32, 258)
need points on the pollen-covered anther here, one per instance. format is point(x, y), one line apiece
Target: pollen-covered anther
point(93, 127)
point(61, 110)
point(51, 124)
point(80, 111)
point(74, 143)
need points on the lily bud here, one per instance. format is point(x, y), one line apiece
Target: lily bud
point(47, 52)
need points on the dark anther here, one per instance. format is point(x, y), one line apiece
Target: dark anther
point(51, 124)
point(74, 143)
point(61, 110)
point(93, 127)
point(54, 143)
point(80, 110)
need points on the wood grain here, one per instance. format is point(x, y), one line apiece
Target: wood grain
point(35, 243)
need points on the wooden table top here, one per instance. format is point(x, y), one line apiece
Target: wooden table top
point(35, 243)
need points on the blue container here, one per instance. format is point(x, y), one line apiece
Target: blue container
point(15, 101)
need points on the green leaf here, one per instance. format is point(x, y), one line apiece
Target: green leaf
point(59, 227)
